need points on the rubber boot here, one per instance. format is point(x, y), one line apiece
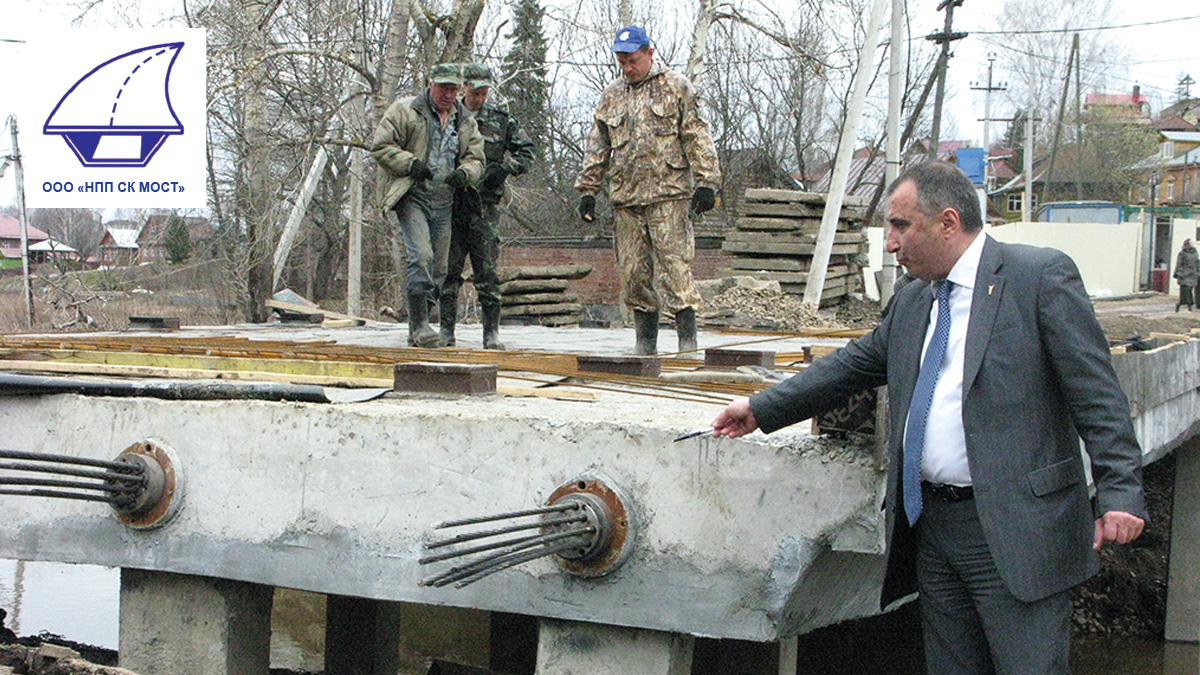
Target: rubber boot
point(434, 313)
point(447, 318)
point(420, 334)
point(645, 324)
point(685, 328)
point(491, 325)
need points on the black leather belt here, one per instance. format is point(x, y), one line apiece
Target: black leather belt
point(947, 493)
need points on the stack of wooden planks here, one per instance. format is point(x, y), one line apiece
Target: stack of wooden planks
point(538, 295)
point(776, 236)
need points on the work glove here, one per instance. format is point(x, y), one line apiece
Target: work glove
point(703, 199)
point(494, 178)
point(458, 179)
point(511, 166)
point(587, 208)
point(419, 171)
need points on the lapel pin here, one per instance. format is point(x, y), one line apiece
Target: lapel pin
point(990, 287)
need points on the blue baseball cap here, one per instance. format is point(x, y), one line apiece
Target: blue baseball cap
point(630, 39)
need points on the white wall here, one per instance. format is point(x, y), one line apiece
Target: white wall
point(1107, 254)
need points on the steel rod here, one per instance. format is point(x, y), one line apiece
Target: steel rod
point(517, 560)
point(456, 573)
point(523, 542)
point(483, 534)
point(82, 473)
point(501, 516)
point(120, 467)
point(57, 494)
point(46, 482)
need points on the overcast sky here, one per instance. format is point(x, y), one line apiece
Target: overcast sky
point(1160, 52)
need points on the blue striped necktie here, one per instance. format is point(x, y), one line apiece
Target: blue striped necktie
point(918, 412)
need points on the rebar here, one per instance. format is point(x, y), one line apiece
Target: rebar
point(135, 478)
point(59, 495)
point(503, 516)
point(120, 467)
point(457, 539)
point(499, 561)
point(516, 544)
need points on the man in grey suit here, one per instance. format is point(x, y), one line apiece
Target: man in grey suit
point(991, 387)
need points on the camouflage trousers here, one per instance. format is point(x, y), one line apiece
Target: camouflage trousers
point(481, 241)
point(655, 246)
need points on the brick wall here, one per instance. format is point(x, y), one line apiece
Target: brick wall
point(603, 285)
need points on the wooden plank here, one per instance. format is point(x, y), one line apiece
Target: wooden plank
point(302, 309)
point(786, 277)
point(560, 393)
point(533, 286)
point(304, 367)
point(763, 223)
point(536, 310)
point(539, 298)
point(1172, 336)
point(785, 249)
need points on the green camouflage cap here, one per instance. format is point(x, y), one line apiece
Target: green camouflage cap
point(446, 73)
point(477, 75)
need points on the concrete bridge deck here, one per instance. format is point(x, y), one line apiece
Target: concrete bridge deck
point(760, 538)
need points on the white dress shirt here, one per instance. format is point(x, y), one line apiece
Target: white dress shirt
point(944, 459)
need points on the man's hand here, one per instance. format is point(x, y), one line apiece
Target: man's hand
point(735, 420)
point(587, 208)
point(494, 177)
point(458, 179)
point(1118, 527)
point(511, 166)
point(703, 199)
point(419, 171)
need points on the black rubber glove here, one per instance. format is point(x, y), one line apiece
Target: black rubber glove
point(419, 171)
point(587, 208)
point(493, 179)
point(458, 179)
point(703, 199)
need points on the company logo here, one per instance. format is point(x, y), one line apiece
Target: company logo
point(122, 116)
point(120, 113)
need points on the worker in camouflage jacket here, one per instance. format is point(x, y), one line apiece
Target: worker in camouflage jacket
point(509, 153)
point(432, 156)
point(649, 139)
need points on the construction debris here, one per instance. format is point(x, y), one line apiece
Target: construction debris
point(746, 302)
point(776, 236)
point(538, 295)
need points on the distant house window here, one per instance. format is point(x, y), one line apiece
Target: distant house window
point(1171, 189)
point(1033, 201)
point(1015, 201)
point(1166, 149)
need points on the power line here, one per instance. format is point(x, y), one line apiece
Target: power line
point(1079, 30)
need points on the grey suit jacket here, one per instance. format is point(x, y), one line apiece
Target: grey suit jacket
point(1037, 378)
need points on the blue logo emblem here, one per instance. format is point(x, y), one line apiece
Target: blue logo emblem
point(120, 114)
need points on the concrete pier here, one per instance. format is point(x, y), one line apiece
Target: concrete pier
point(573, 648)
point(177, 624)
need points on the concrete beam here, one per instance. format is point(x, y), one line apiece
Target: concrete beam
point(176, 624)
point(1183, 579)
point(568, 647)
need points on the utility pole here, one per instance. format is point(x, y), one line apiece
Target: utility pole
point(897, 62)
point(987, 100)
point(15, 159)
point(944, 39)
point(1062, 107)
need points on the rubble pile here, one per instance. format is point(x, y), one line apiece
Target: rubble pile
point(776, 237)
point(744, 302)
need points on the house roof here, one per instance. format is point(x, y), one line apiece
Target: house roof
point(1182, 136)
point(52, 246)
point(121, 237)
point(10, 228)
point(156, 226)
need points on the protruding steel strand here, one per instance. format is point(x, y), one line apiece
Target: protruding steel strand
point(501, 516)
point(138, 479)
point(482, 534)
point(46, 482)
point(59, 495)
point(526, 557)
point(120, 467)
point(523, 542)
point(456, 573)
point(469, 568)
